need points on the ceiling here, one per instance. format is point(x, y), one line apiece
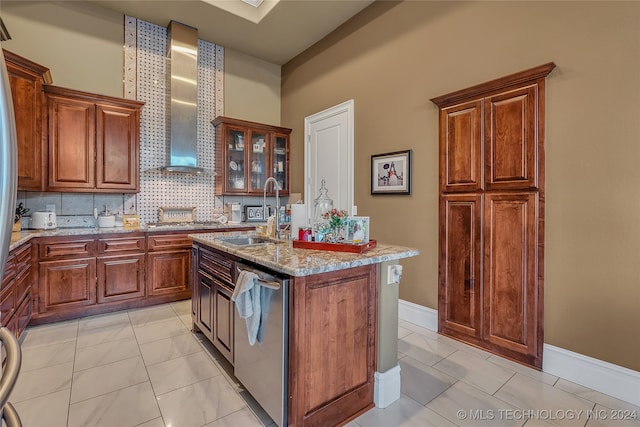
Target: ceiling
point(275, 31)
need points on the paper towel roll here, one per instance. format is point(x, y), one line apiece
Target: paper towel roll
point(298, 218)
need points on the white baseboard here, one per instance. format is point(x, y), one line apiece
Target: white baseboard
point(386, 389)
point(418, 315)
point(605, 377)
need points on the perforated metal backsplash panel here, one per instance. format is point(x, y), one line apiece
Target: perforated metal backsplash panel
point(146, 80)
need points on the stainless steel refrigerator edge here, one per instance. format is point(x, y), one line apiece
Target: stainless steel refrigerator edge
point(8, 185)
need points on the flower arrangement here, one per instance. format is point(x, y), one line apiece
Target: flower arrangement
point(333, 227)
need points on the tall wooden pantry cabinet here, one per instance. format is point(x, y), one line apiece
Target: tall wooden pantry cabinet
point(491, 233)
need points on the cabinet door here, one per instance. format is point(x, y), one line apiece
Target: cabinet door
point(223, 319)
point(512, 301)
point(67, 284)
point(71, 144)
point(23, 316)
point(258, 160)
point(459, 291)
point(235, 160)
point(169, 273)
point(26, 87)
point(511, 140)
point(204, 313)
point(461, 147)
point(120, 277)
point(280, 160)
point(117, 148)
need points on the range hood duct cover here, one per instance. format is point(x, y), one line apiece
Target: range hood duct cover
point(183, 83)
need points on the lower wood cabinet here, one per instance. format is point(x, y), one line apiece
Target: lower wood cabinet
point(121, 277)
point(67, 284)
point(223, 322)
point(15, 293)
point(169, 265)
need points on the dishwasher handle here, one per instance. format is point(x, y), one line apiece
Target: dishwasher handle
point(264, 281)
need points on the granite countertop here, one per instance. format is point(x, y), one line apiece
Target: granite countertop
point(284, 258)
point(24, 236)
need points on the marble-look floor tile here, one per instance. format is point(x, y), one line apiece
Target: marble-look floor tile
point(528, 394)
point(424, 349)
point(149, 315)
point(56, 333)
point(160, 330)
point(199, 403)
point(606, 417)
point(40, 382)
point(403, 332)
point(474, 371)
point(244, 417)
point(525, 370)
point(597, 397)
point(419, 329)
point(182, 371)
point(49, 410)
point(125, 407)
point(187, 321)
point(405, 412)
point(182, 307)
point(459, 345)
point(111, 333)
point(104, 320)
point(465, 406)
point(107, 378)
point(105, 353)
point(156, 422)
point(169, 348)
point(420, 382)
point(50, 355)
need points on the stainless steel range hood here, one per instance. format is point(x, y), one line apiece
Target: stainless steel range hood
point(183, 83)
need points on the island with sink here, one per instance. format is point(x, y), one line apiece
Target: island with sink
point(326, 348)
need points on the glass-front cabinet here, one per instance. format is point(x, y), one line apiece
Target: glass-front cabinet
point(247, 153)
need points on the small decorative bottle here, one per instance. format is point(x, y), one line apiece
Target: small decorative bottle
point(321, 205)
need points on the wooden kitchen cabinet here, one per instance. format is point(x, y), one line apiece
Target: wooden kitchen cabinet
point(16, 294)
point(250, 153)
point(212, 306)
point(93, 142)
point(26, 79)
point(121, 269)
point(169, 265)
point(492, 215)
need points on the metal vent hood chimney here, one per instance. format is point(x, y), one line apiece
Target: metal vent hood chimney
point(183, 84)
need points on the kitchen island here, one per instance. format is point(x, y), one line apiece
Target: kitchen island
point(340, 322)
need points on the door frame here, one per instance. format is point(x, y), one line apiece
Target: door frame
point(345, 107)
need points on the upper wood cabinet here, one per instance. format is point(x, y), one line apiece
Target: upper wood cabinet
point(491, 134)
point(93, 142)
point(26, 79)
point(250, 153)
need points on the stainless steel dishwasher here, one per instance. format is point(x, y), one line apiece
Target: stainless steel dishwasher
point(262, 368)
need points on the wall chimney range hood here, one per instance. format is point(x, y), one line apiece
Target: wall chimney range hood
point(182, 54)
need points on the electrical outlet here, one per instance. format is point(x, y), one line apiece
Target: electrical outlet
point(394, 273)
point(354, 210)
point(51, 208)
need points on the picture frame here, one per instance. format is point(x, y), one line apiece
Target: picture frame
point(391, 173)
point(357, 230)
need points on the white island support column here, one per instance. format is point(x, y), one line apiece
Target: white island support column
point(387, 376)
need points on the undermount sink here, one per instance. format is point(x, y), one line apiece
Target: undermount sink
point(247, 240)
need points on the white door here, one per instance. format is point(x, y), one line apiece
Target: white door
point(328, 155)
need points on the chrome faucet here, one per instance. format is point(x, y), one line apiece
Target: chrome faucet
point(264, 203)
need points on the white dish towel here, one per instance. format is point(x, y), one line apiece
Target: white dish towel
point(247, 298)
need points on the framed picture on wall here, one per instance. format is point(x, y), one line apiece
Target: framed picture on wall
point(391, 173)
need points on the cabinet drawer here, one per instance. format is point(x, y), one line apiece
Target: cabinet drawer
point(7, 304)
point(22, 285)
point(65, 248)
point(169, 241)
point(216, 265)
point(9, 271)
point(121, 244)
point(23, 316)
point(23, 258)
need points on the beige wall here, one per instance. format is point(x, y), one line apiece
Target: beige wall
point(82, 46)
point(393, 58)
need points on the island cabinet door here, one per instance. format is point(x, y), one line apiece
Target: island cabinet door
point(203, 302)
point(332, 346)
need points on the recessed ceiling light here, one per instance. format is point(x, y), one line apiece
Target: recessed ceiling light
point(254, 3)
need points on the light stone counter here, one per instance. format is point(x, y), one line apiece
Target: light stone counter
point(284, 258)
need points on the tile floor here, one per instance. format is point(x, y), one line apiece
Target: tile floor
point(144, 368)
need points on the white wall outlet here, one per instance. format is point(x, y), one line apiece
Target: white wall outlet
point(394, 273)
point(354, 210)
point(51, 208)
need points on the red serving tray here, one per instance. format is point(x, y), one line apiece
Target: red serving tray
point(336, 247)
